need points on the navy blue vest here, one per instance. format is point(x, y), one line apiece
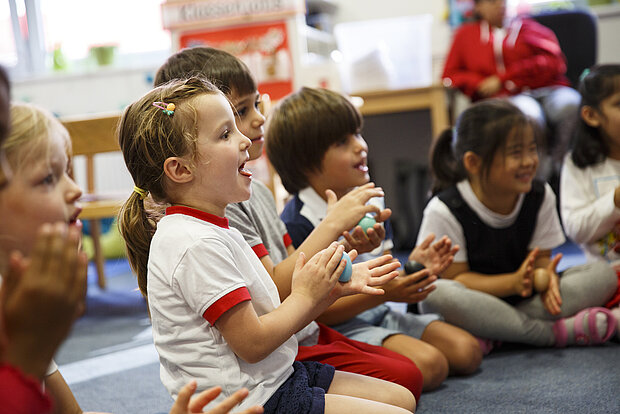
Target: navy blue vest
point(491, 250)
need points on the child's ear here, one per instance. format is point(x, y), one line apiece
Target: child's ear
point(590, 116)
point(178, 170)
point(472, 162)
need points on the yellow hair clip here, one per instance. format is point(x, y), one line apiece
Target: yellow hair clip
point(142, 193)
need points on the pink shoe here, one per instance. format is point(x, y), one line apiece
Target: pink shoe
point(487, 345)
point(582, 338)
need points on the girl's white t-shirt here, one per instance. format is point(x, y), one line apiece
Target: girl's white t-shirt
point(589, 213)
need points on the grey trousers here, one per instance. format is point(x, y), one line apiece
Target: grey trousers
point(489, 317)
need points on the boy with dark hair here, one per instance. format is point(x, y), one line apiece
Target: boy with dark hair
point(314, 142)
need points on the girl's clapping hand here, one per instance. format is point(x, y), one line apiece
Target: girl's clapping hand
point(367, 275)
point(552, 299)
point(524, 276)
point(183, 405)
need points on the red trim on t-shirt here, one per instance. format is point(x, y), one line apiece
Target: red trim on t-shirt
point(287, 240)
point(226, 302)
point(20, 394)
point(260, 250)
point(199, 214)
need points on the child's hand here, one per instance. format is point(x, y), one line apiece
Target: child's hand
point(364, 242)
point(366, 275)
point(411, 288)
point(316, 279)
point(523, 277)
point(183, 405)
point(437, 257)
point(349, 210)
point(42, 296)
point(552, 299)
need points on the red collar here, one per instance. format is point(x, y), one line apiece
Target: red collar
point(201, 215)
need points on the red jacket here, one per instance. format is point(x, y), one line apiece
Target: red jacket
point(530, 58)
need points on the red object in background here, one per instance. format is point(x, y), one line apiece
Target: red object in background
point(264, 47)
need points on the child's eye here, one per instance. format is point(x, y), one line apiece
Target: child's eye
point(241, 112)
point(49, 179)
point(225, 135)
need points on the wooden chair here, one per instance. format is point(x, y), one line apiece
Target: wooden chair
point(90, 136)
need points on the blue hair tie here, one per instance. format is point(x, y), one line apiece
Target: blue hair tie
point(583, 75)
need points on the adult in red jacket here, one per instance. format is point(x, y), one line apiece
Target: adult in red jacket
point(521, 59)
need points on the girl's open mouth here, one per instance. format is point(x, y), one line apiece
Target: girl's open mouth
point(243, 171)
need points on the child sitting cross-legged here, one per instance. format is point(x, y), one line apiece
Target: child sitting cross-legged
point(216, 313)
point(314, 141)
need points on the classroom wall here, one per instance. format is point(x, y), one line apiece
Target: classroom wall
point(111, 89)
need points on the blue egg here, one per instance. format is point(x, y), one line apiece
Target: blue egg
point(366, 223)
point(345, 276)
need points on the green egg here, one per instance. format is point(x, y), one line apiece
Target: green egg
point(366, 223)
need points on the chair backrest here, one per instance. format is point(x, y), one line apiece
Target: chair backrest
point(92, 135)
point(576, 31)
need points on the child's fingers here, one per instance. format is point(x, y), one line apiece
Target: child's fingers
point(385, 268)
point(427, 241)
point(183, 398)
point(40, 255)
point(554, 263)
point(56, 257)
point(367, 290)
point(382, 280)
point(383, 215)
point(300, 262)
point(330, 257)
point(229, 403)
point(81, 282)
point(331, 198)
point(352, 254)
point(11, 279)
point(70, 253)
point(371, 208)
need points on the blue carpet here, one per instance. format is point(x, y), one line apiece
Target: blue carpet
point(111, 365)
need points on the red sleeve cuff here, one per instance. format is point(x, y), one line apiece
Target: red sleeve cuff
point(287, 240)
point(20, 394)
point(260, 250)
point(213, 312)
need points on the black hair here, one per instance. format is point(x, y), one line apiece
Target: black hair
point(597, 84)
point(483, 128)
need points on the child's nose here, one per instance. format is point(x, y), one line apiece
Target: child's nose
point(361, 145)
point(74, 192)
point(258, 120)
point(245, 142)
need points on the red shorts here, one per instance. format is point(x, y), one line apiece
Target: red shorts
point(348, 355)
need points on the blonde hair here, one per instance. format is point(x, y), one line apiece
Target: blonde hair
point(147, 137)
point(32, 128)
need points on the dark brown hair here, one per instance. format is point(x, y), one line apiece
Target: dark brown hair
point(302, 127)
point(226, 71)
point(597, 84)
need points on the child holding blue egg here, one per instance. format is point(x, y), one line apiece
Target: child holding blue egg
point(313, 157)
point(258, 221)
point(208, 294)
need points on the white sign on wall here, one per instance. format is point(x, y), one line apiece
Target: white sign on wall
point(182, 14)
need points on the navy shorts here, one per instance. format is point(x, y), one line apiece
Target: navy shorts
point(304, 391)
